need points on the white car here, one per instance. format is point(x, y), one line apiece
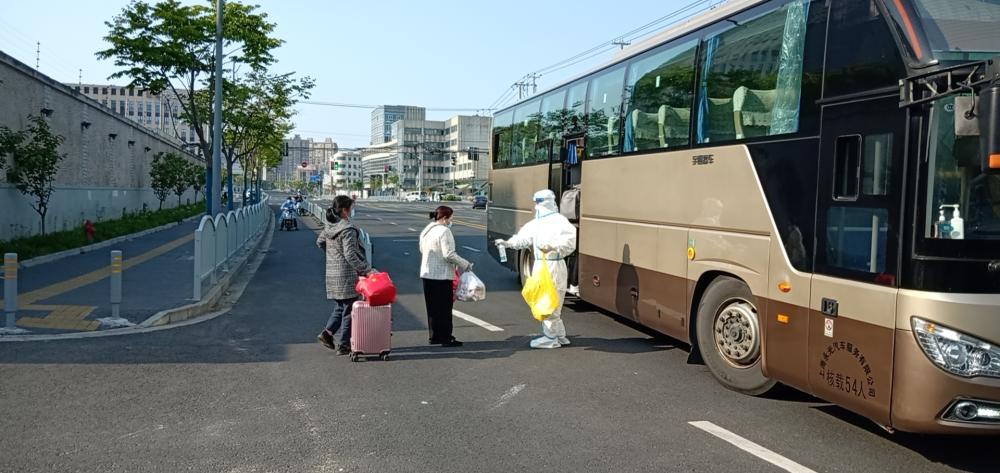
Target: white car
point(415, 197)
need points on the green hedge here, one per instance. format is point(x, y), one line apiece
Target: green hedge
point(38, 245)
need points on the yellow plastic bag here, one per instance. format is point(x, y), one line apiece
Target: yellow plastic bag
point(540, 292)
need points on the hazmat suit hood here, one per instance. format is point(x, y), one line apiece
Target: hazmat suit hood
point(545, 203)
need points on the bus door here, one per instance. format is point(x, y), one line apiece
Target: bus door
point(853, 299)
point(569, 167)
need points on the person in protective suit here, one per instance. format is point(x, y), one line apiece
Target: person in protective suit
point(552, 238)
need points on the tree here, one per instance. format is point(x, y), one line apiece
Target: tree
point(160, 179)
point(34, 163)
point(179, 170)
point(196, 178)
point(171, 46)
point(257, 109)
point(393, 179)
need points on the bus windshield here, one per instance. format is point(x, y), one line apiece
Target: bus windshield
point(960, 29)
point(956, 184)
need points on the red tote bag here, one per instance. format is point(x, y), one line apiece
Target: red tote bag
point(377, 289)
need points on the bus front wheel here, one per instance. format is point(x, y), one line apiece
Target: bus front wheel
point(729, 337)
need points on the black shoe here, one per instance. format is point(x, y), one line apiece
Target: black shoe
point(343, 350)
point(452, 343)
point(326, 340)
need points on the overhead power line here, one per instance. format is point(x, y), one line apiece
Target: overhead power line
point(518, 89)
point(368, 106)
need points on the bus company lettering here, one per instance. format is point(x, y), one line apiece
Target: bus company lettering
point(702, 159)
point(861, 384)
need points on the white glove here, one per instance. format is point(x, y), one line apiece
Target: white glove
point(500, 242)
point(545, 248)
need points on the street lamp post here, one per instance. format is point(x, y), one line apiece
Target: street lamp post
point(215, 173)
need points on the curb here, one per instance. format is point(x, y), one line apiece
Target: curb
point(96, 246)
point(208, 303)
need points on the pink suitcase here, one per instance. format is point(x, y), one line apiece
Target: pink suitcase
point(371, 330)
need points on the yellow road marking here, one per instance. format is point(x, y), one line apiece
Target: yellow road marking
point(73, 317)
point(65, 317)
point(97, 275)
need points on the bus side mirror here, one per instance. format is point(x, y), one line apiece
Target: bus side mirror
point(988, 113)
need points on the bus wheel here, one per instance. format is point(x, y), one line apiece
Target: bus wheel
point(729, 337)
point(527, 261)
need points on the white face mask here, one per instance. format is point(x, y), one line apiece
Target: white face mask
point(449, 224)
point(352, 213)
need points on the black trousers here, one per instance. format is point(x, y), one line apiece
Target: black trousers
point(439, 298)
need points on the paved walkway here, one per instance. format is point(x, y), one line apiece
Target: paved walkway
point(72, 293)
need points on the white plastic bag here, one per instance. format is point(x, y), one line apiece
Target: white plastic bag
point(470, 288)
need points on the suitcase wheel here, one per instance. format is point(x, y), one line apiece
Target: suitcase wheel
point(355, 356)
point(384, 356)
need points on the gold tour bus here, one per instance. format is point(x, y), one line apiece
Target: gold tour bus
point(806, 191)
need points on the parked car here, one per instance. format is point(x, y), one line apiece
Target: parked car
point(479, 202)
point(415, 197)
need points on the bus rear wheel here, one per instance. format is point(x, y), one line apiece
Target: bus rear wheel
point(526, 261)
point(729, 337)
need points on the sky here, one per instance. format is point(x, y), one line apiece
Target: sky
point(442, 54)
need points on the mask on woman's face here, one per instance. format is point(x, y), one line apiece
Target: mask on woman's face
point(449, 223)
point(352, 213)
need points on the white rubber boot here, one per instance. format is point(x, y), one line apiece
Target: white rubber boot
point(545, 342)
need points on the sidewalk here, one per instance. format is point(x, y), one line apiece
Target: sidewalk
point(71, 294)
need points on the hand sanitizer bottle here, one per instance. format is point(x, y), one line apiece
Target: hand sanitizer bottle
point(503, 253)
point(944, 228)
point(957, 225)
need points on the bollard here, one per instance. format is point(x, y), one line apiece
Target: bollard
point(10, 287)
point(116, 283)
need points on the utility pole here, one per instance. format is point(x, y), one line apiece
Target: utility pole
point(621, 43)
point(38, 53)
point(215, 170)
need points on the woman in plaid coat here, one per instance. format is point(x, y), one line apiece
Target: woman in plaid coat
point(345, 263)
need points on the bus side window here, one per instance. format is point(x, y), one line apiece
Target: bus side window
point(751, 76)
point(851, 69)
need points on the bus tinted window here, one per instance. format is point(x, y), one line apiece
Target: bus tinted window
point(553, 120)
point(751, 77)
point(851, 67)
point(576, 113)
point(502, 139)
point(661, 85)
point(604, 112)
point(526, 124)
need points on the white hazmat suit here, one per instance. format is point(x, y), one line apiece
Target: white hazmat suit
point(552, 238)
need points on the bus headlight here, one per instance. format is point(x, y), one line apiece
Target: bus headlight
point(956, 352)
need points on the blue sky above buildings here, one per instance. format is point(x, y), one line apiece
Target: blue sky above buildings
point(449, 53)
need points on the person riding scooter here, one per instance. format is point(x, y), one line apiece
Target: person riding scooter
point(288, 212)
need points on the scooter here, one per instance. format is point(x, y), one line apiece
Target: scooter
point(288, 220)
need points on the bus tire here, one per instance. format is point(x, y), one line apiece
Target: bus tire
point(729, 337)
point(525, 261)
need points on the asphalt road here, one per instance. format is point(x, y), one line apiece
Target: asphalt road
point(251, 391)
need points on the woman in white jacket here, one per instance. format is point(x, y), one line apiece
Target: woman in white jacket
point(437, 271)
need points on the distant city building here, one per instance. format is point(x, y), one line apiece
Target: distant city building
point(160, 113)
point(383, 117)
point(420, 152)
point(346, 169)
point(468, 138)
point(304, 159)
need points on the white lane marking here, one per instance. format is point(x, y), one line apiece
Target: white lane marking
point(411, 240)
point(482, 323)
point(752, 448)
point(471, 249)
point(411, 229)
point(507, 396)
point(393, 223)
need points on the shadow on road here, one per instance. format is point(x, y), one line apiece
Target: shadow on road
point(965, 453)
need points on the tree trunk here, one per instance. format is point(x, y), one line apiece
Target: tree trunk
point(161, 204)
point(42, 214)
point(229, 183)
point(246, 185)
